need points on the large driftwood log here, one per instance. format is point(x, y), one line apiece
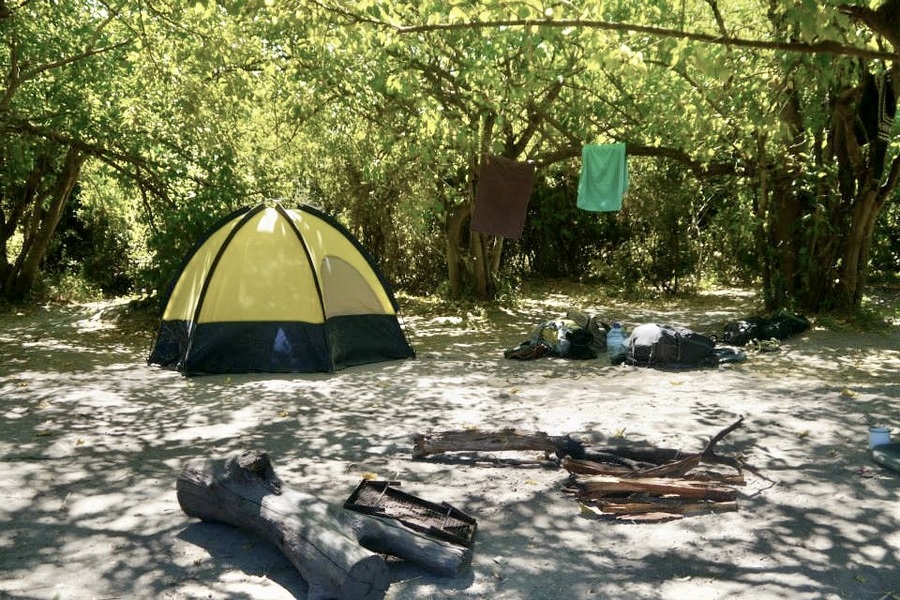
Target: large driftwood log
point(245, 492)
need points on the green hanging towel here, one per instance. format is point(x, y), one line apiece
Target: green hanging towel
point(604, 177)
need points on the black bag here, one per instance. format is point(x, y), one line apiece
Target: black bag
point(784, 325)
point(780, 326)
point(667, 346)
point(740, 333)
point(527, 350)
point(577, 342)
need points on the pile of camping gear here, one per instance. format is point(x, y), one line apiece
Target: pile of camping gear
point(581, 336)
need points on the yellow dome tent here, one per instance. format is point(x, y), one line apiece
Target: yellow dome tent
point(270, 289)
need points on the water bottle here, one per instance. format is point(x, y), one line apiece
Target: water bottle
point(615, 342)
point(563, 345)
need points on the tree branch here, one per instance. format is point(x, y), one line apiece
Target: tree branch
point(536, 112)
point(31, 73)
point(634, 149)
point(823, 47)
point(115, 159)
point(717, 14)
point(22, 126)
point(893, 179)
point(885, 20)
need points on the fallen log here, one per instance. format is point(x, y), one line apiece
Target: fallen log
point(710, 476)
point(637, 458)
point(654, 510)
point(387, 520)
point(243, 491)
point(337, 551)
point(425, 444)
point(685, 469)
point(387, 536)
point(474, 440)
point(677, 468)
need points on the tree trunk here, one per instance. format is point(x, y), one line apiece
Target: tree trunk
point(23, 197)
point(41, 225)
point(456, 216)
point(871, 192)
point(855, 256)
point(480, 265)
point(496, 255)
point(784, 228)
point(820, 233)
point(761, 209)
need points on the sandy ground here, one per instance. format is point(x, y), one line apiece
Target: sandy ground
point(92, 441)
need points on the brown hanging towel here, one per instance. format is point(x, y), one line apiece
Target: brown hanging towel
point(501, 196)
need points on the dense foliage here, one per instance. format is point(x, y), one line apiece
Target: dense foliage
point(128, 128)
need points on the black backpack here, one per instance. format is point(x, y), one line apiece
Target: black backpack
point(545, 341)
point(667, 346)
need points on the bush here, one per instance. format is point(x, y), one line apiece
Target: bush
point(559, 239)
point(91, 252)
point(65, 287)
point(886, 246)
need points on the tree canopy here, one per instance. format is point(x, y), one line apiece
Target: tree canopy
point(173, 113)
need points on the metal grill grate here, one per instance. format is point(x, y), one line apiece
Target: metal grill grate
point(382, 499)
